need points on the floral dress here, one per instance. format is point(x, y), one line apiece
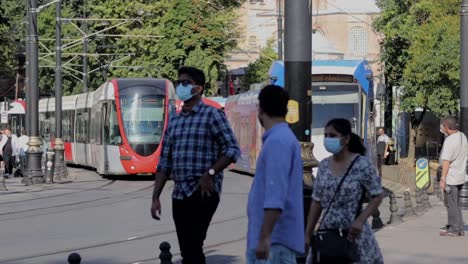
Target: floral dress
point(362, 175)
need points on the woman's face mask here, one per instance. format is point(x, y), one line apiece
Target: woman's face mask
point(333, 145)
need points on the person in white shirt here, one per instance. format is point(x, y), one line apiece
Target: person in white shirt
point(453, 159)
point(9, 148)
point(382, 149)
point(23, 143)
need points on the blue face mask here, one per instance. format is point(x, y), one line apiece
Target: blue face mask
point(184, 92)
point(333, 145)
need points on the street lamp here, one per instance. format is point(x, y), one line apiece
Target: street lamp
point(60, 169)
point(34, 153)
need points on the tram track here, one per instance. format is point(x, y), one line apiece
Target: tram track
point(60, 195)
point(116, 198)
point(120, 241)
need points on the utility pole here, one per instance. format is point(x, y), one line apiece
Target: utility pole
point(298, 56)
point(34, 152)
point(27, 71)
point(280, 29)
point(85, 50)
point(298, 82)
point(463, 77)
point(60, 168)
point(464, 67)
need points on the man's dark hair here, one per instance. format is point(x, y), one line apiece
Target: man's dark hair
point(195, 74)
point(274, 101)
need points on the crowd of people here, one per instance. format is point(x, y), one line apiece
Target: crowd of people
point(199, 144)
point(12, 149)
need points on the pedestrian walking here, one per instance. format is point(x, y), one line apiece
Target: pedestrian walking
point(382, 149)
point(453, 162)
point(344, 235)
point(197, 146)
point(9, 147)
point(275, 207)
point(23, 147)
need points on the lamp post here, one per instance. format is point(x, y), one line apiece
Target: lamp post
point(463, 78)
point(34, 152)
point(60, 169)
point(298, 80)
point(464, 67)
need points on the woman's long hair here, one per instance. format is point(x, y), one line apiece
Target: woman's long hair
point(343, 126)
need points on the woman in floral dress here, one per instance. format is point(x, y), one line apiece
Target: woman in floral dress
point(362, 177)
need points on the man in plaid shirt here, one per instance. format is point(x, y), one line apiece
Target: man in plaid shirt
point(197, 146)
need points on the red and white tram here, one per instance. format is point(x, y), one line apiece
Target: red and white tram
point(116, 129)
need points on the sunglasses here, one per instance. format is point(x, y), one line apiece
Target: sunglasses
point(183, 82)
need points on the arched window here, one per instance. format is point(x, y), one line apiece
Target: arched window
point(357, 41)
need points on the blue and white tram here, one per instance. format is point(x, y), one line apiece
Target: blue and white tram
point(340, 89)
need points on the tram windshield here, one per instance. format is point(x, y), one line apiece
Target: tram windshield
point(334, 101)
point(143, 109)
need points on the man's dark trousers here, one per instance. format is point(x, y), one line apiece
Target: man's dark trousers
point(192, 217)
point(9, 163)
point(454, 213)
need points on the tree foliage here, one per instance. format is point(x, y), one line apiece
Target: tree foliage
point(421, 52)
point(11, 42)
point(157, 38)
point(257, 71)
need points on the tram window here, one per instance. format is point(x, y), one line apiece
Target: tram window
point(68, 125)
point(113, 127)
point(82, 126)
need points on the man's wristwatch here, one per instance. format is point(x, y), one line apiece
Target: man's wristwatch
point(211, 172)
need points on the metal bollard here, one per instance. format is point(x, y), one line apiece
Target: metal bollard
point(419, 203)
point(165, 257)
point(74, 258)
point(49, 166)
point(394, 217)
point(426, 202)
point(2, 179)
point(409, 210)
point(376, 220)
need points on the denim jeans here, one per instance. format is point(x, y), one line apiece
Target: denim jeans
point(278, 255)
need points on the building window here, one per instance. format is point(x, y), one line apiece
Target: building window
point(357, 41)
point(252, 42)
point(256, 1)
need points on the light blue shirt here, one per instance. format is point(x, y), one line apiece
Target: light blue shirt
point(278, 185)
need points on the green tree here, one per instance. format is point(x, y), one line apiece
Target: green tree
point(420, 51)
point(159, 37)
point(257, 71)
point(11, 43)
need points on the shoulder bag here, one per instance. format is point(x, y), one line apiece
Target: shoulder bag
point(332, 245)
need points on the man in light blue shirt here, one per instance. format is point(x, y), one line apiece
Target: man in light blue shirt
point(275, 207)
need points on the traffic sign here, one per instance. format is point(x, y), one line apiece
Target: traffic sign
point(423, 178)
point(4, 117)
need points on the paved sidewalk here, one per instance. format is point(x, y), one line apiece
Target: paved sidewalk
point(417, 240)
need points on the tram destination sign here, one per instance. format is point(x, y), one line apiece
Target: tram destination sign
point(332, 78)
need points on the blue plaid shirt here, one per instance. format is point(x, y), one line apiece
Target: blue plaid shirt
point(192, 144)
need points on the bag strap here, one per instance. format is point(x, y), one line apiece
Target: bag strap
point(338, 189)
